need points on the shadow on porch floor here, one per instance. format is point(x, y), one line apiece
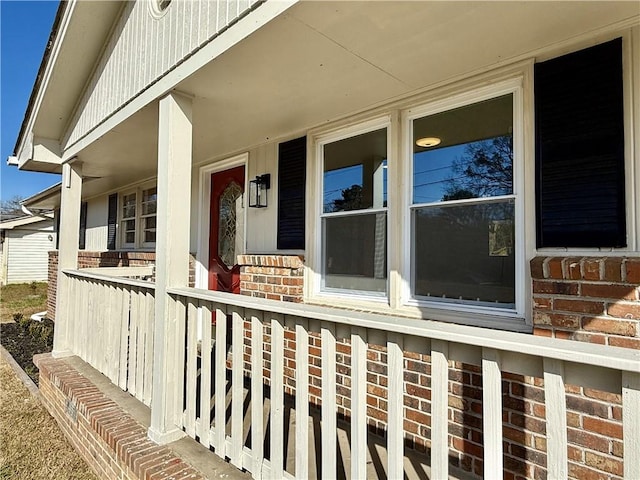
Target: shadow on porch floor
point(210, 466)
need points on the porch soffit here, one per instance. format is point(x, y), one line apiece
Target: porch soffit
point(319, 61)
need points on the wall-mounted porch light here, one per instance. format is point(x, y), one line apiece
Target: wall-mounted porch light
point(258, 190)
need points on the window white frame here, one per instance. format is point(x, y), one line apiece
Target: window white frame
point(515, 88)
point(139, 217)
point(316, 202)
point(515, 80)
point(144, 216)
point(204, 212)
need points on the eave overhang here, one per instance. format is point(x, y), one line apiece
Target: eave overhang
point(78, 35)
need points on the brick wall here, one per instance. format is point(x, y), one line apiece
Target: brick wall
point(87, 259)
point(112, 443)
point(276, 277)
point(597, 300)
point(583, 299)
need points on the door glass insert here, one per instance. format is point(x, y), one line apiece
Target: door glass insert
point(229, 234)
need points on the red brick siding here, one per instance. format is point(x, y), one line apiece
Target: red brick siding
point(113, 444)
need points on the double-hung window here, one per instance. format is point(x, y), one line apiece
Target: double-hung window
point(464, 205)
point(128, 219)
point(354, 211)
point(138, 218)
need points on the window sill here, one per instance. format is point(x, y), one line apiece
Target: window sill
point(496, 320)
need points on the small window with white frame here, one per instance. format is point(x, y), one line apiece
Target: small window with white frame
point(138, 218)
point(354, 212)
point(464, 209)
point(148, 216)
point(128, 219)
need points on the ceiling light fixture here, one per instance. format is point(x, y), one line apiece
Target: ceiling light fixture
point(428, 142)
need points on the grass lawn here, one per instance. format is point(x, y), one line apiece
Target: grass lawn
point(32, 446)
point(25, 298)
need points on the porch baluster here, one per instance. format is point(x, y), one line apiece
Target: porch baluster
point(277, 397)
point(302, 398)
point(205, 375)
point(329, 423)
point(631, 424)
point(439, 409)
point(220, 381)
point(556, 413)
point(257, 393)
point(358, 403)
point(492, 413)
point(237, 388)
point(395, 394)
point(192, 368)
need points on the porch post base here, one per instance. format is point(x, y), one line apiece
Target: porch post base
point(61, 353)
point(162, 438)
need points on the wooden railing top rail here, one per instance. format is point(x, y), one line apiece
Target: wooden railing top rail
point(609, 357)
point(90, 273)
point(138, 271)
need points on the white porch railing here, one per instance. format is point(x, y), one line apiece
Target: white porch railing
point(205, 387)
point(111, 322)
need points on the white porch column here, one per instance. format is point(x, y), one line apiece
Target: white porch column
point(68, 235)
point(172, 258)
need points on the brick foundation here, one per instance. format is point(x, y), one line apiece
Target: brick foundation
point(112, 443)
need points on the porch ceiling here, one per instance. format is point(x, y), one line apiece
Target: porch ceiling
point(322, 60)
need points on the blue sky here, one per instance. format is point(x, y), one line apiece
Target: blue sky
point(24, 31)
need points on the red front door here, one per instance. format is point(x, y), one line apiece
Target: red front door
point(226, 236)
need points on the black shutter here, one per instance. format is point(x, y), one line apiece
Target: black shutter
point(56, 221)
point(292, 168)
point(83, 226)
point(579, 123)
point(112, 221)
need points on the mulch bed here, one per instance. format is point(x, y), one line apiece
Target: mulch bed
point(24, 338)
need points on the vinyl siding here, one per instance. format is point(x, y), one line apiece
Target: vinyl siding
point(142, 48)
point(27, 253)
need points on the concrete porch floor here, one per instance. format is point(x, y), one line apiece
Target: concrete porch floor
point(205, 464)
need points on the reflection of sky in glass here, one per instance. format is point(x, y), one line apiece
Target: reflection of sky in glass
point(337, 180)
point(432, 170)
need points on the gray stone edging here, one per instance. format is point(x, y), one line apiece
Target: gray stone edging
point(22, 375)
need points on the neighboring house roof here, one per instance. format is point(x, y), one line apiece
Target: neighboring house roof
point(22, 221)
point(47, 199)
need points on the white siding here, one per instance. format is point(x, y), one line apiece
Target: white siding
point(96, 236)
point(261, 226)
point(27, 253)
point(143, 48)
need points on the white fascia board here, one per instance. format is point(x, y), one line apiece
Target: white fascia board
point(12, 161)
point(252, 22)
point(42, 87)
point(22, 221)
point(42, 195)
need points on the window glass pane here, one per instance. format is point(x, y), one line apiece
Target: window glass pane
point(470, 153)
point(465, 253)
point(150, 229)
point(354, 175)
point(355, 252)
point(149, 201)
point(230, 216)
point(129, 205)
